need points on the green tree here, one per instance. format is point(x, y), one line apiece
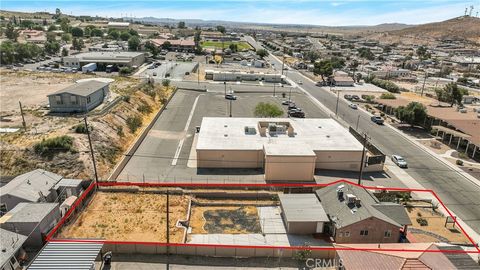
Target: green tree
point(132, 32)
point(366, 53)
point(262, 53)
point(52, 27)
point(414, 113)
point(96, 32)
point(312, 56)
point(323, 68)
point(337, 62)
point(233, 47)
point(221, 29)
point(166, 83)
point(152, 48)
point(353, 66)
point(64, 52)
point(181, 25)
point(11, 33)
point(114, 34)
point(133, 43)
point(76, 32)
point(265, 109)
point(66, 37)
point(125, 36)
point(166, 45)
point(196, 39)
point(52, 47)
point(451, 93)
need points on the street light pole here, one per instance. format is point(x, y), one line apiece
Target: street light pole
point(231, 107)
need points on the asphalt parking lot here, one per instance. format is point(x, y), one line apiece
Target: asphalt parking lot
point(176, 70)
point(171, 138)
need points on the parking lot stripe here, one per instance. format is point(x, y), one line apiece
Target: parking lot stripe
point(180, 144)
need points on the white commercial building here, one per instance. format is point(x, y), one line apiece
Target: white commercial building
point(287, 149)
point(103, 59)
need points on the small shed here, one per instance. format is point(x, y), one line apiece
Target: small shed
point(302, 213)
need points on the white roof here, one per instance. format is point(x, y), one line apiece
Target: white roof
point(313, 134)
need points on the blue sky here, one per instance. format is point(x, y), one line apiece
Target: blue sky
point(335, 13)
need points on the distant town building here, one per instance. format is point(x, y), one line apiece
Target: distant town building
point(118, 25)
point(219, 75)
point(79, 97)
point(104, 59)
point(179, 45)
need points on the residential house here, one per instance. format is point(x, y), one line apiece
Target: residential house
point(342, 79)
point(32, 219)
point(12, 250)
point(79, 98)
point(357, 216)
point(302, 213)
point(34, 186)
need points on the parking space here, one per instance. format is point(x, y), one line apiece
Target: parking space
point(165, 152)
point(168, 69)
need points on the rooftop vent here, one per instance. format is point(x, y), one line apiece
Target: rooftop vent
point(225, 135)
point(351, 198)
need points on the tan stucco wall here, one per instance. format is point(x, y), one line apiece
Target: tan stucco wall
point(289, 168)
point(229, 159)
point(376, 231)
point(338, 160)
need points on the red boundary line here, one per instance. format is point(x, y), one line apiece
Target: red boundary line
point(109, 184)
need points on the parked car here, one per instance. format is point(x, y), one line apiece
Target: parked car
point(296, 113)
point(347, 97)
point(230, 97)
point(300, 82)
point(355, 97)
point(353, 106)
point(151, 66)
point(286, 102)
point(377, 119)
point(400, 161)
point(154, 74)
point(292, 105)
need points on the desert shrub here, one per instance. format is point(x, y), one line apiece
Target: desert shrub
point(126, 98)
point(125, 70)
point(134, 123)
point(387, 96)
point(422, 221)
point(80, 128)
point(459, 162)
point(145, 109)
point(52, 146)
point(387, 85)
point(120, 132)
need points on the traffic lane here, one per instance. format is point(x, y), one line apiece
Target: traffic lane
point(154, 156)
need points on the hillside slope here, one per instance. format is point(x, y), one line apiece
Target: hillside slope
point(461, 28)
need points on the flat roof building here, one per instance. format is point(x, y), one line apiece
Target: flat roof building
point(287, 149)
point(79, 97)
point(103, 59)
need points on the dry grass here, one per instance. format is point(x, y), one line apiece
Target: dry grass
point(129, 217)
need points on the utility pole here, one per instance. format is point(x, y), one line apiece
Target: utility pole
point(362, 161)
point(23, 117)
point(168, 223)
point(198, 73)
point(424, 80)
point(225, 85)
point(283, 58)
point(290, 95)
point(231, 107)
point(91, 149)
point(338, 98)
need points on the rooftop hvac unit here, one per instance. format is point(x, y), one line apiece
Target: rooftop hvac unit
point(351, 198)
point(250, 130)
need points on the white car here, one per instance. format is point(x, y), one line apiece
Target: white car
point(299, 82)
point(400, 161)
point(353, 106)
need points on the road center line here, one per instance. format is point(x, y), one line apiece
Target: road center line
point(180, 144)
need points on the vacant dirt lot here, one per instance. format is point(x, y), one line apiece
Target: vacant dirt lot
point(125, 216)
point(31, 88)
point(435, 231)
point(225, 219)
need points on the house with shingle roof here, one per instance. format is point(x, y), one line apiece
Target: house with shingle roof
point(357, 216)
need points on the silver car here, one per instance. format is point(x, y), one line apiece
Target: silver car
point(400, 161)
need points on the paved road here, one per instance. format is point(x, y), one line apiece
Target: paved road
point(457, 192)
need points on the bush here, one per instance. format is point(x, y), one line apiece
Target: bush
point(52, 146)
point(125, 70)
point(134, 123)
point(126, 98)
point(80, 128)
point(459, 162)
point(387, 96)
point(144, 109)
point(368, 98)
point(422, 221)
point(265, 109)
point(387, 85)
